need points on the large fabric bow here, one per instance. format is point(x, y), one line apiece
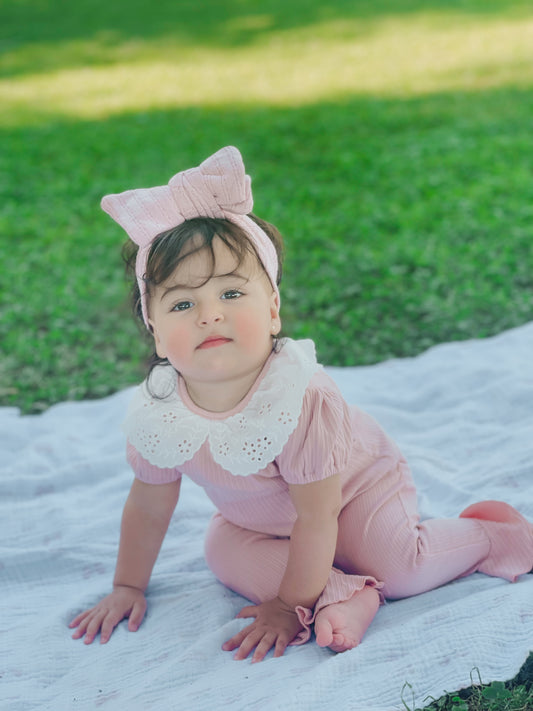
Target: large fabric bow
point(218, 187)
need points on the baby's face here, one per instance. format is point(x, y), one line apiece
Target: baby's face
point(215, 330)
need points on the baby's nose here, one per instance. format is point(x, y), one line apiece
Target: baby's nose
point(209, 315)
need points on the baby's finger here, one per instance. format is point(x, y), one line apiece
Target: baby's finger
point(236, 640)
point(136, 616)
point(93, 628)
point(249, 642)
point(281, 646)
point(109, 623)
point(263, 647)
point(248, 611)
point(82, 626)
point(76, 621)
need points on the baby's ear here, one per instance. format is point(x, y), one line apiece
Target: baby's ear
point(275, 320)
point(161, 352)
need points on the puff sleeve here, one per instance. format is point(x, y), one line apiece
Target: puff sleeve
point(149, 473)
point(320, 445)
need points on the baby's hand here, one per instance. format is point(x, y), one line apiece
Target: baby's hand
point(275, 625)
point(104, 617)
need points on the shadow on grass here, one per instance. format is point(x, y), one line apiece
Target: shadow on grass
point(38, 36)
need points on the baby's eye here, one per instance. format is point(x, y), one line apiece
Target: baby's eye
point(232, 294)
point(182, 306)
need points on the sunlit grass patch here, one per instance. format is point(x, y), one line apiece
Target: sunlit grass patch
point(399, 56)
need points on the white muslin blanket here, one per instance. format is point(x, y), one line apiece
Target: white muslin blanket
point(463, 415)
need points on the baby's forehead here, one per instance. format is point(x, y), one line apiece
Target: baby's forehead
point(215, 262)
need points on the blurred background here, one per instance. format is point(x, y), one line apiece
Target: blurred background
point(389, 140)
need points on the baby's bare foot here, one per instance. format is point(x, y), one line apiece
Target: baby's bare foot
point(341, 626)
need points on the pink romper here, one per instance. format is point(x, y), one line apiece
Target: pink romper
point(294, 427)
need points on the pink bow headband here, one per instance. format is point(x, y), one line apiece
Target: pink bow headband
point(218, 187)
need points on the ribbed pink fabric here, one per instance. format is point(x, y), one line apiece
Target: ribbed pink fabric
point(497, 515)
point(381, 541)
point(252, 564)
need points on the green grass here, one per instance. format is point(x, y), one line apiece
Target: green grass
point(388, 139)
point(516, 695)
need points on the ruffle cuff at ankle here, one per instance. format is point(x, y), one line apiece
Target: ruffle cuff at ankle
point(340, 587)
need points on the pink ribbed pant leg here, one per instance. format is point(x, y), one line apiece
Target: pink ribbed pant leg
point(382, 543)
point(250, 563)
point(380, 533)
point(253, 564)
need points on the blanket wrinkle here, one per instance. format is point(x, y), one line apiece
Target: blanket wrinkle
point(463, 415)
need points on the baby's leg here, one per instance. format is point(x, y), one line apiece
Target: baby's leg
point(253, 564)
point(380, 533)
point(250, 563)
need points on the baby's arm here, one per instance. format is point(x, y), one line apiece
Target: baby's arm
point(313, 541)
point(147, 513)
point(311, 553)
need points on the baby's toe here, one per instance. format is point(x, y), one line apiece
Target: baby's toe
point(323, 632)
point(342, 643)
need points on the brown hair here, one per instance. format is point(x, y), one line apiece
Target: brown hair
point(172, 247)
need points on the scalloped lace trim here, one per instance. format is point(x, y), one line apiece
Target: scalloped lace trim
point(167, 433)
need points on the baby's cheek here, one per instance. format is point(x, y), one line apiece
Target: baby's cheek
point(251, 329)
point(178, 345)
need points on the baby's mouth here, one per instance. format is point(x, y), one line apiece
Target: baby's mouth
point(213, 342)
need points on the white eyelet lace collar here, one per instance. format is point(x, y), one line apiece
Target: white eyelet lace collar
point(168, 433)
